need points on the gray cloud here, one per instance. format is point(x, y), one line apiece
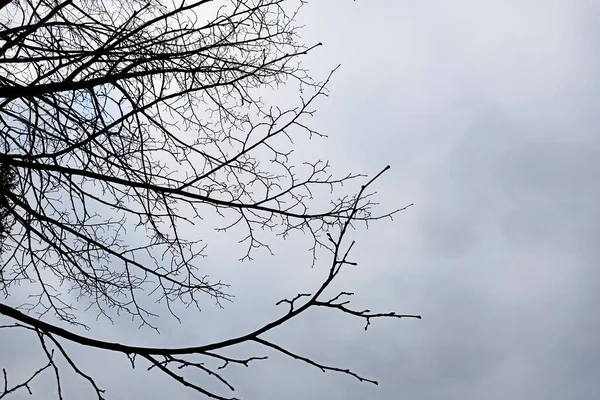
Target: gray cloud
point(488, 114)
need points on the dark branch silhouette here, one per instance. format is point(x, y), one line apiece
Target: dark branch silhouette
point(120, 117)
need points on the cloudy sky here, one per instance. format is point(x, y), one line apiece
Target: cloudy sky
point(487, 113)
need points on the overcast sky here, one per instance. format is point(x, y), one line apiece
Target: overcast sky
point(487, 113)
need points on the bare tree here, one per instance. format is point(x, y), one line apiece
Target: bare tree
point(146, 116)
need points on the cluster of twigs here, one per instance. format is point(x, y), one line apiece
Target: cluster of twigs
point(169, 360)
point(146, 116)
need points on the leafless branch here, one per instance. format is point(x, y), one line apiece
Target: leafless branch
point(124, 124)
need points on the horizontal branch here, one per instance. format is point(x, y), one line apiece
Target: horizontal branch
point(155, 188)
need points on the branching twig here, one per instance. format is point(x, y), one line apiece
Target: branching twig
point(124, 123)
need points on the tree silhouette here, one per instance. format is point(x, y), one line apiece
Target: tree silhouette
point(7, 185)
point(146, 116)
